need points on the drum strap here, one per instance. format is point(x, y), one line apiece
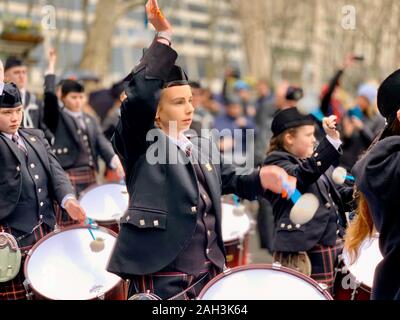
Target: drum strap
point(189, 288)
point(33, 230)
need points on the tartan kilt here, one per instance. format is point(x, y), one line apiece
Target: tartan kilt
point(81, 178)
point(325, 261)
point(167, 284)
point(14, 289)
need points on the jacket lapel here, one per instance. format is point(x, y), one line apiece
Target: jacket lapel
point(209, 172)
point(13, 148)
point(71, 126)
point(39, 148)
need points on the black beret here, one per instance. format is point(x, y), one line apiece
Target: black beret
point(177, 77)
point(389, 96)
point(289, 118)
point(69, 86)
point(11, 97)
point(12, 62)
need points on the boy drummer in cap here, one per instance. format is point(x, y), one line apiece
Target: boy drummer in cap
point(31, 180)
point(79, 140)
point(170, 242)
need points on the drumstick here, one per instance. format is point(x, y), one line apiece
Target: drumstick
point(236, 200)
point(304, 206)
point(97, 244)
point(339, 175)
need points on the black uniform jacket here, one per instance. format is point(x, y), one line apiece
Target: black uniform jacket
point(161, 218)
point(10, 177)
point(378, 177)
point(333, 200)
point(67, 144)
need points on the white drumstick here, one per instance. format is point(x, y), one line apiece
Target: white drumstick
point(339, 175)
point(304, 209)
point(97, 244)
point(304, 206)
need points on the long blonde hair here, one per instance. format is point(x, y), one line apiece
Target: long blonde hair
point(360, 228)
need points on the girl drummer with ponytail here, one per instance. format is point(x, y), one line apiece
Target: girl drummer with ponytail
point(378, 182)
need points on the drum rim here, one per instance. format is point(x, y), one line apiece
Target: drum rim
point(264, 266)
point(94, 186)
point(50, 235)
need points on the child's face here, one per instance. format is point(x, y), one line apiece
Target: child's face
point(175, 109)
point(10, 119)
point(74, 101)
point(302, 143)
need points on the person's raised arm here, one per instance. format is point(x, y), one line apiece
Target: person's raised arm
point(51, 107)
point(143, 91)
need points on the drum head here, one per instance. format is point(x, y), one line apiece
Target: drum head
point(63, 267)
point(106, 202)
point(364, 268)
point(235, 222)
point(262, 282)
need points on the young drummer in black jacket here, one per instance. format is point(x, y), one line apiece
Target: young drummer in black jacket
point(313, 248)
point(31, 180)
point(79, 140)
point(170, 238)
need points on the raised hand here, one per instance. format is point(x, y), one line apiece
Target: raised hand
point(329, 125)
point(52, 56)
point(156, 18)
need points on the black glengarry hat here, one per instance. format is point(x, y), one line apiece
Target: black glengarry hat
point(289, 118)
point(11, 97)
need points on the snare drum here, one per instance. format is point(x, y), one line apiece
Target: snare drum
point(263, 282)
point(61, 266)
point(236, 226)
point(105, 204)
point(354, 281)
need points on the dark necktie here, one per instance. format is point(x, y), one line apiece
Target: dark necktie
point(15, 138)
point(81, 123)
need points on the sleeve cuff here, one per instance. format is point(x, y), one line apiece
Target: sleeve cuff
point(66, 198)
point(335, 142)
point(114, 162)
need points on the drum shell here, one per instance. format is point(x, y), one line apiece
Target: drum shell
point(361, 292)
point(111, 223)
point(237, 251)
